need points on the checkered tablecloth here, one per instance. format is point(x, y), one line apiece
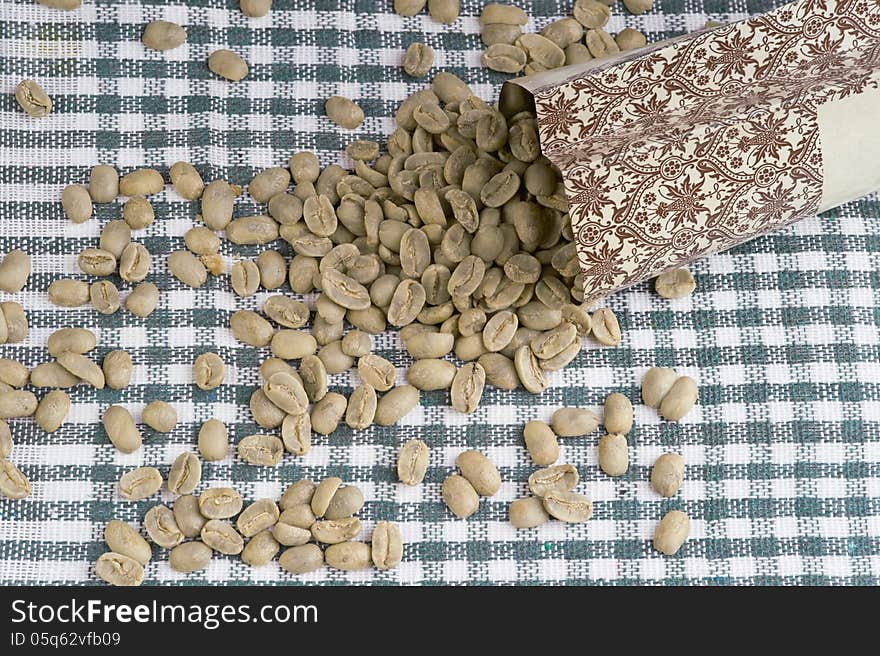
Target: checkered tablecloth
point(782, 334)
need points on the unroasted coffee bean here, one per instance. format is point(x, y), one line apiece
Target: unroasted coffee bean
point(361, 407)
point(162, 528)
point(138, 213)
point(52, 410)
point(630, 39)
point(460, 496)
point(81, 367)
point(119, 570)
point(467, 387)
point(123, 539)
point(676, 283)
point(407, 302)
point(561, 478)
point(357, 344)
point(656, 385)
point(574, 422)
point(17, 403)
point(272, 269)
point(606, 329)
point(348, 555)
point(141, 182)
point(286, 392)
point(296, 434)
point(160, 416)
point(335, 361)
point(220, 503)
point(541, 50)
point(187, 515)
point(213, 440)
point(68, 293)
point(429, 344)
point(286, 311)
point(344, 112)
point(671, 532)
point(104, 296)
point(163, 35)
point(217, 200)
point(600, 43)
point(386, 546)
point(323, 494)
point(529, 370)
point(431, 374)
point(227, 64)
point(504, 58)
point(314, 377)
point(680, 399)
point(143, 299)
point(185, 474)
point(293, 344)
point(344, 291)
point(208, 371)
point(377, 371)
point(396, 404)
point(140, 483)
point(14, 272)
point(541, 443)
point(13, 373)
point(260, 550)
point(187, 181)
point(667, 474)
point(189, 270)
point(52, 374)
point(591, 13)
point(121, 429)
point(613, 454)
point(16, 322)
point(259, 516)
point(346, 502)
point(117, 367)
point(328, 412)
point(250, 328)
point(412, 462)
point(115, 236)
point(288, 533)
point(493, 33)
point(618, 414)
point(252, 230)
point(32, 99)
point(269, 182)
point(201, 241)
point(418, 59)
point(563, 32)
point(638, 7)
point(501, 13)
point(77, 203)
point(134, 263)
point(527, 513)
point(103, 184)
point(190, 556)
point(568, 506)
point(302, 559)
point(500, 371)
point(5, 440)
point(480, 472)
point(499, 330)
point(263, 450)
point(298, 493)
point(221, 536)
point(13, 483)
point(245, 278)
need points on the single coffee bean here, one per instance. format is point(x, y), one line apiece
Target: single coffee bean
point(551, 343)
point(162, 35)
point(161, 526)
point(361, 408)
point(387, 546)
point(500, 371)
point(302, 559)
point(562, 478)
point(134, 263)
point(81, 367)
point(263, 450)
point(187, 515)
point(529, 370)
point(104, 296)
point(138, 213)
point(104, 184)
point(408, 7)
point(52, 374)
point(252, 329)
point(613, 454)
point(344, 112)
point(499, 330)
point(245, 277)
point(189, 270)
point(221, 536)
point(377, 371)
point(16, 322)
point(141, 182)
point(356, 343)
point(213, 440)
point(123, 539)
point(185, 474)
point(348, 555)
point(286, 311)
point(272, 269)
point(14, 272)
point(160, 416)
point(564, 32)
point(190, 556)
point(396, 404)
point(68, 293)
point(140, 483)
point(217, 200)
point(467, 387)
point(362, 150)
point(77, 203)
point(667, 474)
point(431, 374)
point(630, 39)
point(290, 534)
point(328, 412)
point(5, 440)
point(480, 472)
point(591, 13)
point(345, 291)
point(429, 344)
point(346, 502)
point(500, 33)
point(251, 230)
point(304, 167)
point(17, 403)
point(117, 367)
point(187, 181)
point(418, 59)
point(119, 570)
point(264, 412)
point(208, 371)
point(228, 65)
point(444, 11)
point(300, 492)
point(52, 410)
point(675, 283)
point(75, 340)
point(541, 443)
point(121, 430)
point(574, 422)
point(656, 385)
point(220, 503)
point(618, 416)
point(259, 516)
point(115, 236)
point(600, 43)
point(638, 7)
point(32, 99)
point(287, 393)
point(269, 182)
point(293, 344)
point(460, 496)
point(504, 58)
point(680, 399)
point(671, 532)
point(296, 434)
point(412, 463)
point(323, 494)
point(13, 373)
point(313, 374)
point(260, 550)
point(527, 513)
point(568, 506)
point(505, 14)
point(143, 299)
point(13, 483)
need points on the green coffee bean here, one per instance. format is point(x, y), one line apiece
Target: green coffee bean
point(577, 53)
point(562, 478)
point(272, 269)
point(600, 43)
point(613, 454)
point(117, 368)
point(361, 408)
point(418, 59)
point(443, 11)
point(221, 536)
point(228, 65)
point(618, 414)
point(32, 99)
point(208, 371)
point(190, 556)
point(574, 422)
point(500, 371)
point(259, 516)
point(245, 278)
point(141, 182)
point(13, 373)
point(5, 440)
point(286, 392)
point(213, 440)
point(459, 496)
point(115, 236)
point(185, 474)
point(52, 410)
point(160, 416)
point(17, 403)
point(504, 58)
point(187, 180)
point(119, 570)
point(251, 230)
point(480, 472)
point(77, 203)
point(396, 404)
point(680, 399)
point(328, 412)
point(675, 283)
point(290, 534)
point(162, 35)
point(285, 208)
point(263, 450)
point(568, 506)
point(527, 513)
point(104, 185)
point(16, 321)
point(13, 483)
point(346, 501)
point(671, 532)
point(187, 515)
point(286, 311)
point(499, 330)
point(467, 387)
point(431, 374)
point(541, 443)
point(121, 430)
point(217, 200)
point(138, 213)
point(335, 361)
point(68, 293)
point(504, 14)
point(298, 493)
point(302, 559)
point(377, 371)
point(123, 539)
point(323, 494)
point(140, 483)
point(493, 33)
point(104, 296)
point(296, 434)
point(143, 299)
point(81, 367)
point(161, 526)
point(529, 370)
point(387, 546)
point(344, 291)
point(220, 503)
point(591, 13)
point(667, 474)
point(344, 112)
point(201, 241)
point(564, 32)
point(260, 550)
point(356, 344)
point(134, 263)
point(630, 39)
point(250, 328)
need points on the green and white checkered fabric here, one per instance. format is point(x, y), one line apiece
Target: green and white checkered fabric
point(782, 334)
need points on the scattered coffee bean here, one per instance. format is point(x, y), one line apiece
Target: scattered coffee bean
point(613, 454)
point(671, 532)
point(185, 474)
point(528, 512)
point(160, 416)
point(618, 414)
point(680, 399)
point(667, 474)
point(220, 503)
point(213, 440)
point(302, 559)
point(228, 65)
point(162, 35)
point(140, 483)
point(187, 515)
point(221, 536)
point(121, 429)
point(123, 539)
point(104, 185)
point(348, 555)
point(52, 410)
point(344, 112)
point(77, 203)
point(119, 570)
point(264, 450)
point(13, 483)
point(386, 546)
point(32, 99)
point(541, 443)
point(460, 496)
point(190, 556)
point(162, 528)
point(568, 506)
point(418, 59)
point(574, 422)
point(143, 299)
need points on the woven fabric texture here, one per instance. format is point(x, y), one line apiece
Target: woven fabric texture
point(782, 451)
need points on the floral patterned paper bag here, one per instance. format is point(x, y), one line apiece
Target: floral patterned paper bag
point(694, 145)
